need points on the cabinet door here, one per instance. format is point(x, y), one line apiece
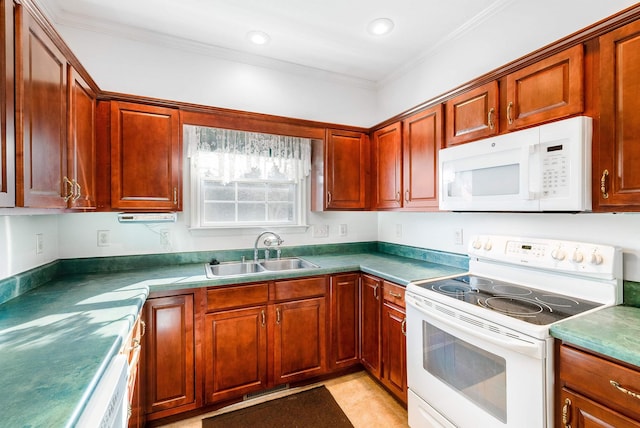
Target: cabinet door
point(299, 339)
point(549, 89)
point(344, 320)
point(387, 154)
point(421, 141)
point(616, 177)
point(370, 298)
point(145, 157)
point(577, 411)
point(394, 351)
point(235, 353)
point(82, 142)
point(7, 108)
point(473, 114)
point(347, 165)
point(41, 116)
point(169, 361)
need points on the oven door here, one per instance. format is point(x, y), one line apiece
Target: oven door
point(470, 372)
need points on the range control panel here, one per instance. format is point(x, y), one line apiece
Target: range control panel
point(551, 254)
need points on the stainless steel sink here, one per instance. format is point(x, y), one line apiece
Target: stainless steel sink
point(287, 264)
point(232, 269)
point(238, 268)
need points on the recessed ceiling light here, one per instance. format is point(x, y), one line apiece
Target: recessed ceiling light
point(258, 37)
point(380, 26)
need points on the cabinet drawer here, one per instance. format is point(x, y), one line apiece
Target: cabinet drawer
point(237, 296)
point(298, 288)
point(593, 376)
point(394, 294)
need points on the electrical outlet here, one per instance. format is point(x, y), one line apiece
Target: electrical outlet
point(165, 237)
point(320, 230)
point(343, 230)
point(398, 230)
point(39, 243)
point(457, 237)
point(104, 238)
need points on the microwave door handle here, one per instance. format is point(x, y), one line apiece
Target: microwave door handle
point(521, 346)
point(528, 165)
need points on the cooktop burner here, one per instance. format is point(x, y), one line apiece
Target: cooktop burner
point(517, 301)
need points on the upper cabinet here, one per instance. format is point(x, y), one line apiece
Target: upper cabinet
point(549, 89)
point(405, 162)
point(473, 115)
point(146, 157)
point(41, 116)
point(616, 177)
point(81, 152)
point(422, 138)
point(346, 169)
point(7, 130)
point(387, 162)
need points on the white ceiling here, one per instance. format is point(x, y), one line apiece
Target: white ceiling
point(325, 35)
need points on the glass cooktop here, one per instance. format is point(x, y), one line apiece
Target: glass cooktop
point(517, 301)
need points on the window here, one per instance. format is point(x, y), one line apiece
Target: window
point(246, 179)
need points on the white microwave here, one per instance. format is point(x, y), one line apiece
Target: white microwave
point(545, 168)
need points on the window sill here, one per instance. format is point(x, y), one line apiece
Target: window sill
point(245, 230)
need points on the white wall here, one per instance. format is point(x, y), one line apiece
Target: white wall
point(136, 67)
point(517, 28)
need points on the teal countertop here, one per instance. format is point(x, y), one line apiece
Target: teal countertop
point(56, 339)
point(614, 332)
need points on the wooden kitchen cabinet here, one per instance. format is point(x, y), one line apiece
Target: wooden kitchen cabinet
point(7, 112)
point(552, 88)
point(81, 154)
point(473, 114)
point(422, 138)
point(345, 334)
point(387, 165)
point(169, 362)
point(616, 177)
point(346, 170)
point(596, 391)
point(41, 116)
point(235, 353)
point(146, 157)
point(370, 333)
point(549, 89)
point(394, 341)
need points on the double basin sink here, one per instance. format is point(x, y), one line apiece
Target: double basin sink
point(238, 268)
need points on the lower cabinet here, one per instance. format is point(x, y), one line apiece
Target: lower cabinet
point(169, 362)
point(261, 335)
point(345, 331)
point(595, 391)
point(383, 332)
point(394, 341)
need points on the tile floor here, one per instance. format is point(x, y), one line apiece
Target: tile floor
point(365, 403)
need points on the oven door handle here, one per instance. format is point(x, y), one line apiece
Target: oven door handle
point(524, 347)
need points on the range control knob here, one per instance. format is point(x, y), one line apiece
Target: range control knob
point(477, 244)
point(558, 254)
point(595, 259)
point(488, 245)
point(577, 256)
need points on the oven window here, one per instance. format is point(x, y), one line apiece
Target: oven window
point(473, 372)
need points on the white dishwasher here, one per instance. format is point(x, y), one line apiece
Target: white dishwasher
point(108, 406)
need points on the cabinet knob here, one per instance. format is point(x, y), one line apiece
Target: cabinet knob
point(566, 413)
point(490, 118)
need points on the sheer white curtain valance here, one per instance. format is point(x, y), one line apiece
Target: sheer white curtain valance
point(229, 155)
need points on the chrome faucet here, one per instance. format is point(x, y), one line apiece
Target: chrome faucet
point(275, 239)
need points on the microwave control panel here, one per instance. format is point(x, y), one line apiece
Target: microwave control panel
point(555, 170)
